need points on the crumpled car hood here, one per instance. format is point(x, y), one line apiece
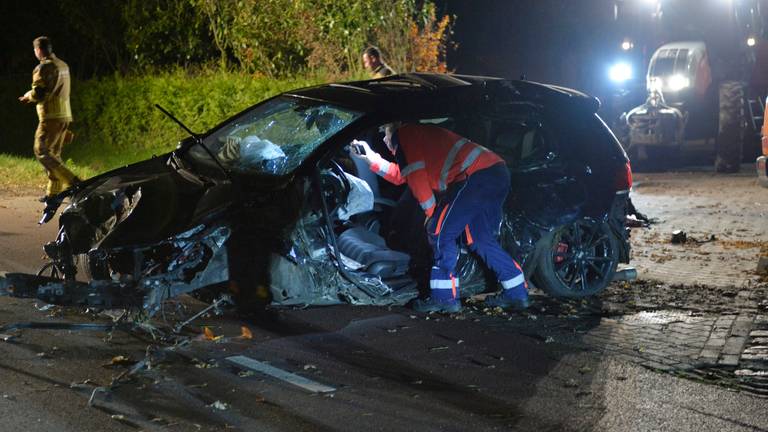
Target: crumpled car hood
point(140, 203)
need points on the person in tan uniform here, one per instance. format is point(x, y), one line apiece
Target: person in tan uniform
point(374, 64)
point(50, 92)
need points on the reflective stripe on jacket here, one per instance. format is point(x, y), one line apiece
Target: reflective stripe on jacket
point(50, 89)
point(436, 158)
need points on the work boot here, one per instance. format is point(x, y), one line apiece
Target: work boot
point(432, 305)
point(505, 302)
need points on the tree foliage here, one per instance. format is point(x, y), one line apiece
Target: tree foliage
point(162, 32)
point(284, 37)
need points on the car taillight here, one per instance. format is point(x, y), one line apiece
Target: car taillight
point(765, 145)
point(624, 178)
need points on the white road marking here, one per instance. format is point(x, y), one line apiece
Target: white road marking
point(280, 374)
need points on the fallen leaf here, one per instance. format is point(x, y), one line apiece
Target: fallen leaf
point(208, 333)
point(119, 361)
point(205, 365)
point(245, 332)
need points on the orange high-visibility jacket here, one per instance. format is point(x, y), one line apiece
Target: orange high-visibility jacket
point(436, 158)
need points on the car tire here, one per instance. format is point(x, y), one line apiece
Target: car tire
point(578, 259)
point(731, 127)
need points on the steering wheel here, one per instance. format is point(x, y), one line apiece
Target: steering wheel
point(335, 186)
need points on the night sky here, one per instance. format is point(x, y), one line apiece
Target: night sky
point(566, 42)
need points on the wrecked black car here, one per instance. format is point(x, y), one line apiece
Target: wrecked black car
point(269, 207)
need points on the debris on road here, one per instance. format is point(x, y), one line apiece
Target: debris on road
point(219, 405)
point(205, 365)
point(762, 265)
point(119, 361)
point(571, 383)
point(679, 237)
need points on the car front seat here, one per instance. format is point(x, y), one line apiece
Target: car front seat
point(371, 251)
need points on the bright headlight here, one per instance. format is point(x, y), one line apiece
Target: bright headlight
point(620, 72)
point(678, 82)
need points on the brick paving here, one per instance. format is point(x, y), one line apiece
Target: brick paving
point(725, 346)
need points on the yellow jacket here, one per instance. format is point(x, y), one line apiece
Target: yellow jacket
point(382, 71)
point(50, 89)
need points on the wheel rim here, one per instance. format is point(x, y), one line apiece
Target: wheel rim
point(50, 270)
point(583, 256)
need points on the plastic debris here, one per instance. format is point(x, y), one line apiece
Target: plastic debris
point(219, 405)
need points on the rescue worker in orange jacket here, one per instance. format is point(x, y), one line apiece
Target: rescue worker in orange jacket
point(50, 92)
point(474, 182)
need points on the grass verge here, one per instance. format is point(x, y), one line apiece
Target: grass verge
point(25, 176)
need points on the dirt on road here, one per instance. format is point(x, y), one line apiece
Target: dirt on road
point(724, 217)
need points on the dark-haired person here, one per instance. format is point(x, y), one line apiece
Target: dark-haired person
point(50, 92)
point(374, 64)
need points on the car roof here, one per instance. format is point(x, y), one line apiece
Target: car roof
point(420, 93)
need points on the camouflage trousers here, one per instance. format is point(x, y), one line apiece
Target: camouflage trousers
point(51, 136)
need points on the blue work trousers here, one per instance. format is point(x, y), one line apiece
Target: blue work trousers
point(473, 207)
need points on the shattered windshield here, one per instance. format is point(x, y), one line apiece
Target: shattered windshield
point(275, 137)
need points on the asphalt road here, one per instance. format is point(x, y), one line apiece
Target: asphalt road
point(389, 369)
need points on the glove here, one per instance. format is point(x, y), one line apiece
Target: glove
point(362, 151)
